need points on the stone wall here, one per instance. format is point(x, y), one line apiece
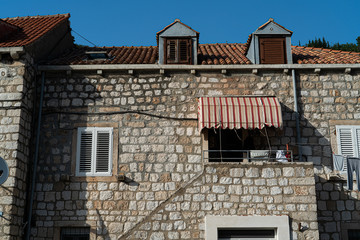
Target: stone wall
point(158, 143)
point(16, 109)
point(235, 189)
point(327, 100)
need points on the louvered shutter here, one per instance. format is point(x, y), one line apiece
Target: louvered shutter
point(102, 152)
point(184, 51)
point(357, 136)
point(94, 152)
point(171, 51)
point(348, 140)
point(345, 140)
point(178, 51)
point(86, 146)
point(272, 50)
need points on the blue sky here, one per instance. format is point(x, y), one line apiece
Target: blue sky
point(135, 22)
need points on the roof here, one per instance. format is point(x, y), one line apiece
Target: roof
point(272, 20)
point(30, 28)
point(311, 55)
point(208, 54)
point(176, 21)
point(168, 26)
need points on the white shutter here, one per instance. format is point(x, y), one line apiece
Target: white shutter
point(357, 137)
point(103, 152)
point(345, 140)
point(84, 151)
point(94, 152)
point(348, 140)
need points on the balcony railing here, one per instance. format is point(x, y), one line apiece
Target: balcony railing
point(248, 155)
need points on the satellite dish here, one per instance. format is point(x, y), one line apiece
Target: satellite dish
point(4, 171)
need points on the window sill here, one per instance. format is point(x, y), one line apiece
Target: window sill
point(93, 179)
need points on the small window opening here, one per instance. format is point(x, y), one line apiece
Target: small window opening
point(354, 234)
point(178, 51)
point(93, 55)
point(237, 234)
point(75, 233)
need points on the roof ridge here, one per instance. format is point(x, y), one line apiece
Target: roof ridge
point(67, 15)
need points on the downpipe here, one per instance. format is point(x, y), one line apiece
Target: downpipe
point(36, 156)
point(297, 116)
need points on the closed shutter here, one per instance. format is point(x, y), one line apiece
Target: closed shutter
point(178, 51)
point(272, 50)
point(346, 141)
point(94, 152)
point(171, 51)
point(102, 151)
point(86, 146)
point(184, 50)
point(357, 135)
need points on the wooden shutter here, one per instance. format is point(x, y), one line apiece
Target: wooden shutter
point(86, 146)
point(171, 51)
point(272, 50)
point(103, 151)
point(184, 50)
point(178, 51)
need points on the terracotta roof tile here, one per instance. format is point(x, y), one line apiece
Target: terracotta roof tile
point(208, 54)
point(311, 55)
point(30, 28)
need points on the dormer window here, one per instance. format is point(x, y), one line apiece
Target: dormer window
point(177, 44)
point(272, 50)
point(270, 44)
point(178, 51)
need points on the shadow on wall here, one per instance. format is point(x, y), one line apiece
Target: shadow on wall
point(337, 207)
point(65, 203)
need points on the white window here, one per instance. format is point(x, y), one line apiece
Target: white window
point(94, 151)
point(247, 227)
point(348, 140)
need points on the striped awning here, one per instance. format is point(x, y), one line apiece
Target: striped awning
point(239, 112)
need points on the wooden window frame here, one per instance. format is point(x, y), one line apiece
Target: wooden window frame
point(263, 56)
point(178, 51)
point(94, 131)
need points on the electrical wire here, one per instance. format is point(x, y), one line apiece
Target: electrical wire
point(118, 112)
point(83, 37)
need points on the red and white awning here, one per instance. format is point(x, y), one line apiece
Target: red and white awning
point(239, 112)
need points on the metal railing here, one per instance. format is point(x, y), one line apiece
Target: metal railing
point(248, 155)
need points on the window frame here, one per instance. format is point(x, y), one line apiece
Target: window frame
point(355, 140)
point(280, 224)
point(94, 131)
point(178, 51)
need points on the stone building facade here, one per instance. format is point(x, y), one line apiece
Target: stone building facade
point(160, 184)
point(20, 50)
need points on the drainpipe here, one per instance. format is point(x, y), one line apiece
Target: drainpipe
point(297, 116)
point(36, 156)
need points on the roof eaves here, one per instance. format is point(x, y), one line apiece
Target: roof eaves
point(168, 26)
point(272, 20)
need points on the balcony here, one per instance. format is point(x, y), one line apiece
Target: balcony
point(248, 156)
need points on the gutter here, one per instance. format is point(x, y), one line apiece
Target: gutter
point(316, 67)
point(15, 52)
point(36, 156)
point(297, 116)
